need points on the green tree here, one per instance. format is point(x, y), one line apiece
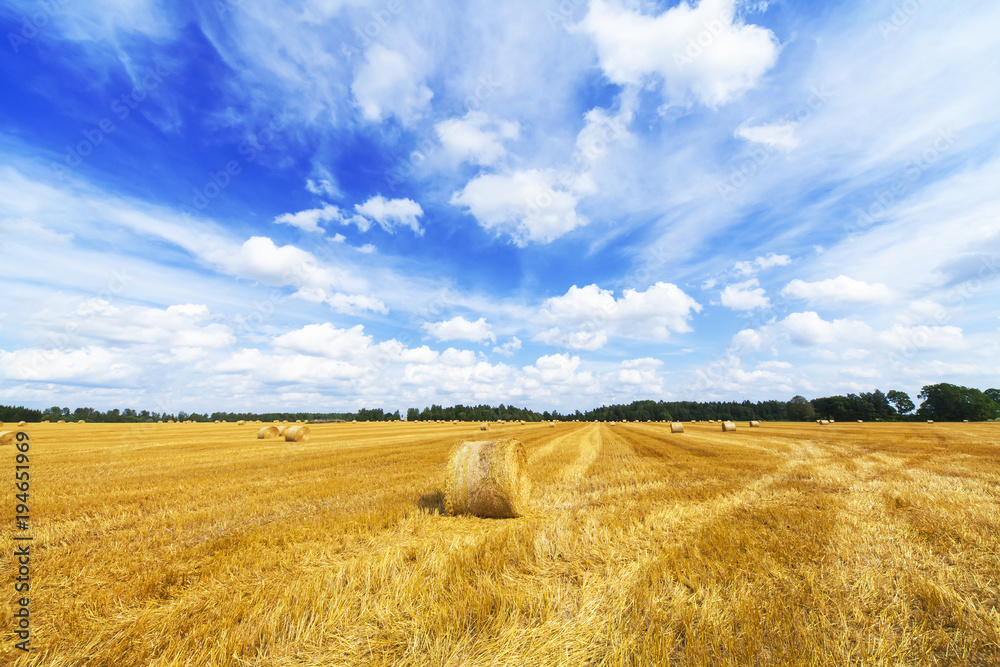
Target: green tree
point(993, 394)
point(901, 401)
point(799, 409)
point(949, 402)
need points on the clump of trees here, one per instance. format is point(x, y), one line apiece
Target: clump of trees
point(940, 402)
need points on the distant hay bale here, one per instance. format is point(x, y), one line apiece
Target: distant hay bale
point(824, 422)
point(217, 421)
point(930, 421)
point(297, 433)
point(45, 421)
point(267, 432)
point(676, 427)
point(552, 424)
point(240, 423)
point(61, 421)
point(81, 422)
point(728, 426)
point(9, 437)
point(170, 421)
point(965, 421)
point(487, 479)
point(832, 421)
point(612, 423)
point(298, 421)
point(20, 424)
point(484, 427)
point(522, 422)
point(861, 421)
point(754, 424)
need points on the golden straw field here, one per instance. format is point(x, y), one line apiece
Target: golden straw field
point(788, 544)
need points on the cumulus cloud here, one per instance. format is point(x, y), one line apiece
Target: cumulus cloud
point(475, 138)
point(308, 221)
point(641, 372)
point(529, 205)
point(325, 340)
point(761, 263)
point(389, 214)
point(747, 295)
point(323, 187)
point(586, 317)
point(509, 348)
point(388, 84)
point(779, 136)
point(459, 328)
point(703, 51)
point(839, 290)
point(84, 366)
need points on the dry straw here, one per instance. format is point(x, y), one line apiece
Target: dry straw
point(267, 432)
point(282, 430)
point(755, 424)
point(487, 479)
point(676, 427)
point(297, 433)
point(8, 437)
point(20, 424)
point(728, 426)
point(484, 427)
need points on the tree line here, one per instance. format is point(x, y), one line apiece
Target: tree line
point(940, 402)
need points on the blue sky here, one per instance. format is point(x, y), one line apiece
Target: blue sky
point(331, 204)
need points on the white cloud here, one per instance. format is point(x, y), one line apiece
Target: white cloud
point(641, 372)
point(747, 295)
point(704, 51)
point(761, 263)
point(779, 136)
point(509, 348)
point(325, 340)
point(308, 221)
point(810, 329)
point(323, 187)
point(839, 290)
point(85, 366)
point(387, 85)
point(474, 138)
point(922, 337)
point(459, 328)
point(585, 318)
point(391, 213)
point(529, 205)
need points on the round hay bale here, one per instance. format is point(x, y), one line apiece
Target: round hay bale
point(824, 422)
point(267, 432)
point(612, 423)
point(754, 424)
point(484, 427)
point(61, 421)
point(728, 426)
point(522, 422)
point(45, 421)
point(282, 430)
point(9, 437)
point(552, 424)
point(861, 421)
point(297, 433)
point(240, 423)
point(487, 479)
point(676, 427)
point(930, 421)
point(81, 422)
point(20, 424)
point(217, 421)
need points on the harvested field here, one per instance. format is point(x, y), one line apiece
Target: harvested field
point(788, 544)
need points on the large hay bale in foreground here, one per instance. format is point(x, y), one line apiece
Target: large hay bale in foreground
point(8, 437)
point(728, 426)
point(676, 427)
point(268, 432)
point(754, 424)
point(487, 479)
point(297, 433)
